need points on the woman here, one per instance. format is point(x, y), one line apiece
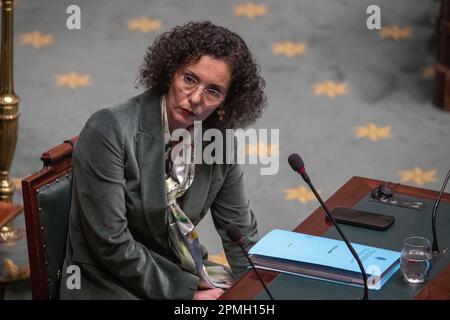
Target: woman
point(134, 208)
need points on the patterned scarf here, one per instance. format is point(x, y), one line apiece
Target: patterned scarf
point(183, 238)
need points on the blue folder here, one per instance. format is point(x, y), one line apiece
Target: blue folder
point(323, 258)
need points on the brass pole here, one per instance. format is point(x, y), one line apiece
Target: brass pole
point(9, 114)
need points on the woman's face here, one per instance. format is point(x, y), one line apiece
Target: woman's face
point(196, 90)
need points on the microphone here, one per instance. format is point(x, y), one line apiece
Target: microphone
point(297, 164)
point(235, 235)
point(435, 246)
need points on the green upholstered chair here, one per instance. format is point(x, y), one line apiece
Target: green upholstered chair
point(46, 198)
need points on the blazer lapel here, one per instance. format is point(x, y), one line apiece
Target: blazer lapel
point(195, 198)
point(150, 149)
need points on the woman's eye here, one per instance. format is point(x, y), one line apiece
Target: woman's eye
point(190, 80)
point(214, 93)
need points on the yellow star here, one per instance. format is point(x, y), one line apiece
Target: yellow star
point(428, 72)
point(288, 48)
point(301, 194)
point(373, 132)
point(36, 39)
point(73, 80)
point(219, 258)
point(250, 10)
point(330, 88)
point(395, 32)
point(144, 24)
point(262, 149)
point(417, 175)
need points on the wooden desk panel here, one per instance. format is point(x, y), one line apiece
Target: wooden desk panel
point(348, 195)
point(8, 211)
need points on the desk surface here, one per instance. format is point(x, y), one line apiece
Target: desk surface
point(8, 211)
point(348, 196)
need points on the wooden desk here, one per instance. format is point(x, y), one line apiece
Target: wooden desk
point(347, 196)
point(8, 211)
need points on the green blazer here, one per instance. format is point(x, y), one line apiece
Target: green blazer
point(118, 227)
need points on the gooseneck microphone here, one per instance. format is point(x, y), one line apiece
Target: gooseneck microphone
point(296, 163)
point(435, 246)
point(235, 235)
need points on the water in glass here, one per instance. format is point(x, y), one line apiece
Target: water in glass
point(416, 259)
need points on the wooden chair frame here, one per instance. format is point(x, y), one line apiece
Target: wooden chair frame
point(57, 163)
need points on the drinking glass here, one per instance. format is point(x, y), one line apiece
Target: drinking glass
point(416, 259)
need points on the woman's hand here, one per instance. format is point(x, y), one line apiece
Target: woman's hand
point(210, 294)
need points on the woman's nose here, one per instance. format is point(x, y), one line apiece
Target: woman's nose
point(196, 96)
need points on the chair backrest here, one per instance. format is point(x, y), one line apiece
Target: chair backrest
point(46, 199)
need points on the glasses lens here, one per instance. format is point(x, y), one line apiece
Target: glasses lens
point(212, 96)
point(190, 84)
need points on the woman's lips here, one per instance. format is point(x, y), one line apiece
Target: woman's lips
point(186, 112)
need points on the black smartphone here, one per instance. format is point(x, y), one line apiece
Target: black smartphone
point(363, 219)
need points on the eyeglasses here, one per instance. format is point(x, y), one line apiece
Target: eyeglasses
point(190, 85)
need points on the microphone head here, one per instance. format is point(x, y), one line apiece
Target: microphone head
point(296, 162)
point(234, 233)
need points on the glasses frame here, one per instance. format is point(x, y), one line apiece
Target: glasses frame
point(191, 88)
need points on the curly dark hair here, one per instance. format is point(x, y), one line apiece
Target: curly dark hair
point(186, 44)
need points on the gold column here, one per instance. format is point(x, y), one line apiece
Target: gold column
point(9, 114)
